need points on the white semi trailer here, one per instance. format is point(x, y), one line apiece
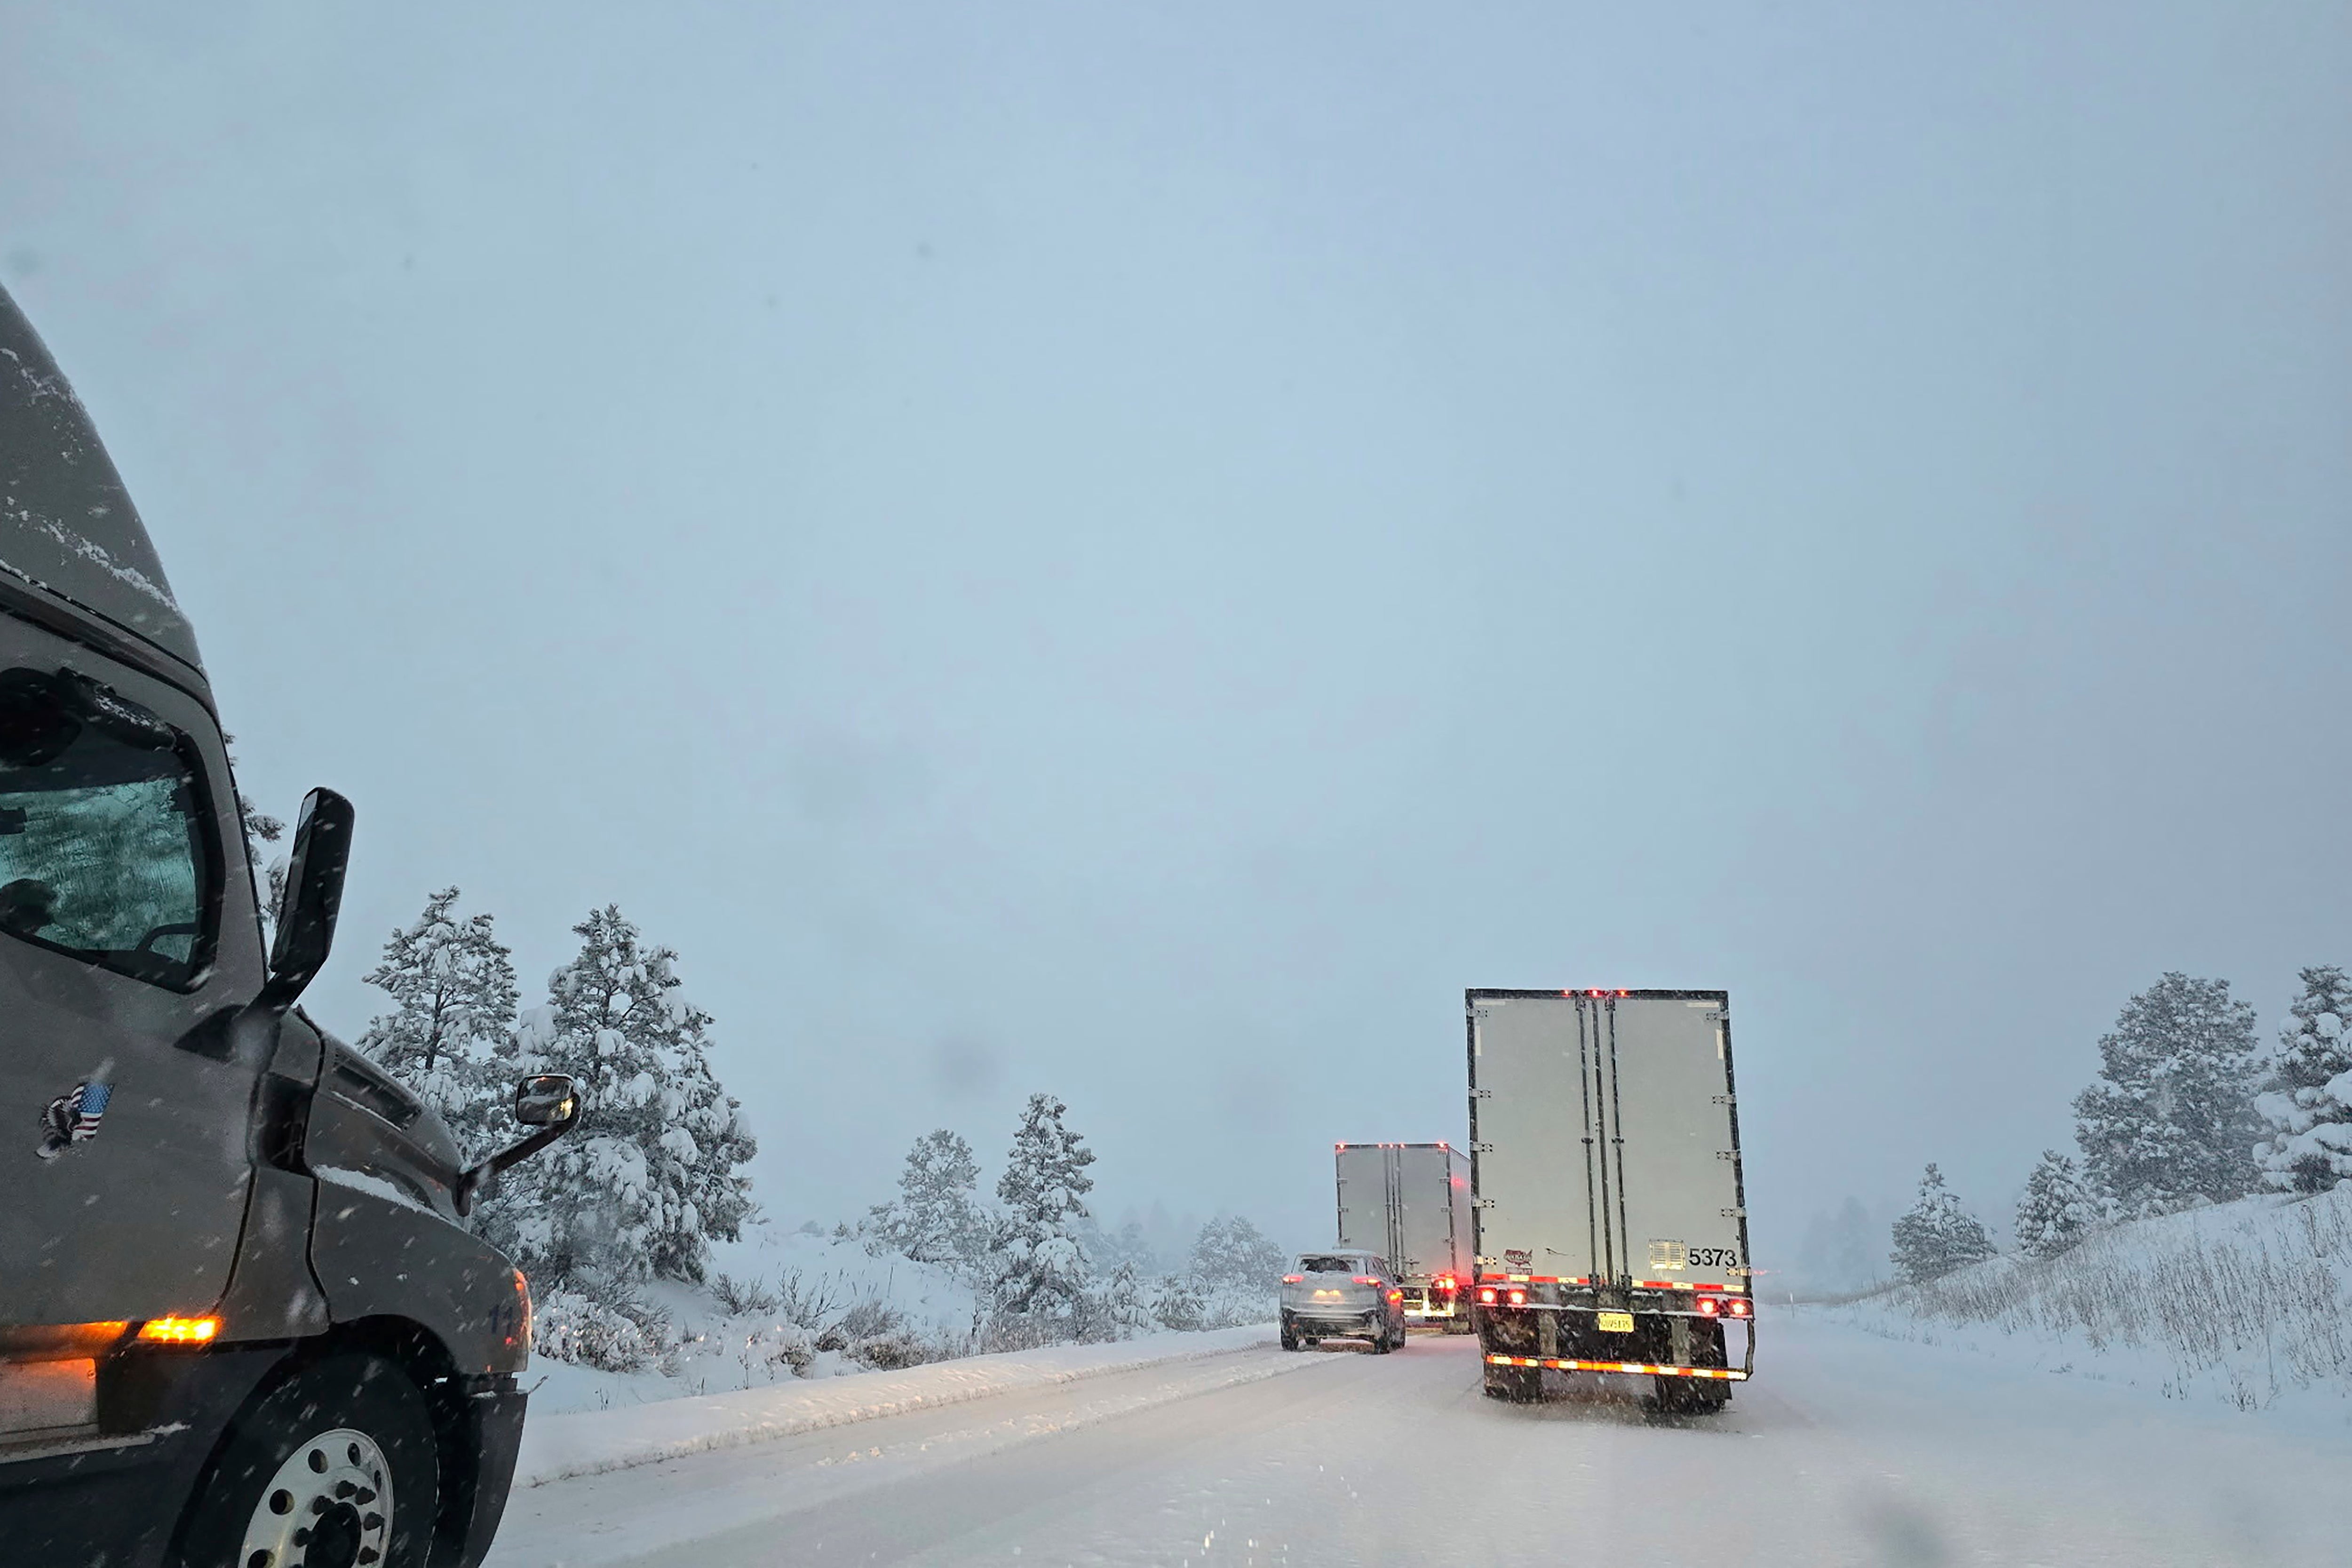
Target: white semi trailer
point(1612, 1218)
point(1410, 1202)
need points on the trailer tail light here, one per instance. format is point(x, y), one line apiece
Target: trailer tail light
point(1518, 1297)
point(1709, 1307)
point(1294, 1279)
point(1485, 1295)
point(1740, 1308)
point(179, 1331)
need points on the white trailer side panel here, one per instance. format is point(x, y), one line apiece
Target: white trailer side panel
point(1424, 1187)
point(1604, 1140)
point(1408, 1202)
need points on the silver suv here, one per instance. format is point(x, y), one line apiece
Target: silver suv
point(1342, 1295)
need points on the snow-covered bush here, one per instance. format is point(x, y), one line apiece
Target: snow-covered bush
point(1937, 1236)
point(2171, 1122)
point(1179, 1304)
point(2308, 1101)
point(1122, 1306)
point(744, 1298)
point(567, 1325)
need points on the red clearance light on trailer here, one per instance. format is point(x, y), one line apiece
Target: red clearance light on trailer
point(1294, 1279)
point(1485, 1295)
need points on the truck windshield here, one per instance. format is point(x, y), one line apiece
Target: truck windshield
point(100, 846)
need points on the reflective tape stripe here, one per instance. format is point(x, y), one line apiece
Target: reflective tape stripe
point(1726, 1374)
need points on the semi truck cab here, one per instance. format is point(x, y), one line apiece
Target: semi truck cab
point(242, 1318)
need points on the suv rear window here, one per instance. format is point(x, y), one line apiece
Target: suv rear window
point(103, 853)
point(1330, 1263)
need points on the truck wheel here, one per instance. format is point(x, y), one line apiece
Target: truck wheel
point(1517, 1384)
point(333, 1469)
point(1687, 1396)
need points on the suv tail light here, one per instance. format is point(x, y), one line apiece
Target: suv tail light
point(1294, 1279)
point(1366, 1278)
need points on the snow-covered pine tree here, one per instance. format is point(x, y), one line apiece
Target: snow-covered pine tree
point(1124, 1308)
point(451, 1028)
point(2056, 1209)
point(2308, 1099)
point(2171, 1121)
point(1234, 1254)
point(1040, 1269)
point(1938, 1234)
point(652, 1173)
point(937, 1216)
point(1177, 1304)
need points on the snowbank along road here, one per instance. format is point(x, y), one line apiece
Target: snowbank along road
point(1855, 1451)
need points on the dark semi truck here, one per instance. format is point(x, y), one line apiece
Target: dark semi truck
point(242, 1320)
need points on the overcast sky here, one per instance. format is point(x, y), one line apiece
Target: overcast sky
point(1137, 551)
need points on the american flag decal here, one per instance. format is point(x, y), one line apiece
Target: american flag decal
point(90, 1104)
point(73, 1117)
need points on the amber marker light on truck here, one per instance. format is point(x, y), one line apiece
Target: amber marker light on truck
point(179, 1331)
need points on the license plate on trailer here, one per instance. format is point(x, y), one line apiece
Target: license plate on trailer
point(1614, 1322)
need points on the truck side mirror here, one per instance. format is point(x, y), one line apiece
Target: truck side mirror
point(546, 1100)
point(314, 895)
point(549, 1101)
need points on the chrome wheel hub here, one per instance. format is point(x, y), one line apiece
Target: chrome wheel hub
point(328, 1506)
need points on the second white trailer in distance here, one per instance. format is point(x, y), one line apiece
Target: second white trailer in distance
point(1612, 1215)
point(1410, 1202)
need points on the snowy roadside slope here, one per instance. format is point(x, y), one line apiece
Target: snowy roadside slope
point(2247, 1302)
point(590, 1442)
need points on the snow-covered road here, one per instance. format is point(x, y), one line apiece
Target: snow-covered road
point(1847, 1450)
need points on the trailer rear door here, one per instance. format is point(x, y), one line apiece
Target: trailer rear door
point(1605, 1137)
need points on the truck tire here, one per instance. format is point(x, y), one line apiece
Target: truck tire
point(1687, 1397)
point(1516, 1384)
point(334, 1467)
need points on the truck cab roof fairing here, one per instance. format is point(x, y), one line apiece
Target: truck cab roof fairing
point(66, 521)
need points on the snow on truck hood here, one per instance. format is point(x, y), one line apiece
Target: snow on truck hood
point(66, 521)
